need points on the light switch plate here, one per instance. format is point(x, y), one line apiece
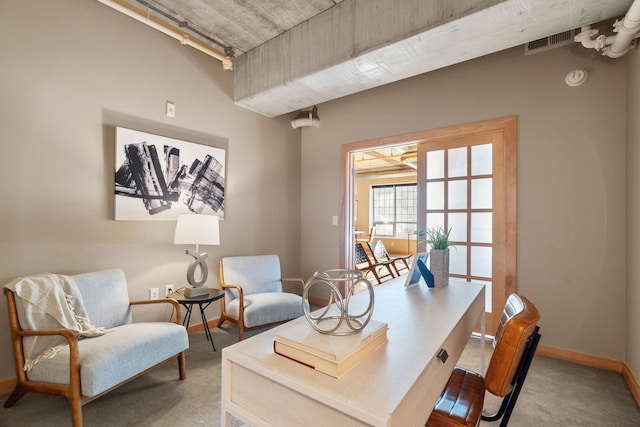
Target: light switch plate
point(171, 109)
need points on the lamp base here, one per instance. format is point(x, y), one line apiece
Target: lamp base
point(196, 292)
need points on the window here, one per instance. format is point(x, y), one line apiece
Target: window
point(394, 209)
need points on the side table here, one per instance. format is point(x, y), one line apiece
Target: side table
point(203, 301)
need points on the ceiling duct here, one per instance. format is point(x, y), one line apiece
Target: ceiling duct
point(550, 42)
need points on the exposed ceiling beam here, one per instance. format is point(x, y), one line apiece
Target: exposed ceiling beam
point(361, 44)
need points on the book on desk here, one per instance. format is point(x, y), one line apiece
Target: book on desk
point(333, 355)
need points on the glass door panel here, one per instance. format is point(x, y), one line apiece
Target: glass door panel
point(481, 193)
point(457, 162)
point(457, 195)
point(481, 227)
point(435, 164)
point(458, 260)
point(481, 160)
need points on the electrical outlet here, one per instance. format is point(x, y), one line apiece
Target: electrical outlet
point(154, 293)
point(169, 289)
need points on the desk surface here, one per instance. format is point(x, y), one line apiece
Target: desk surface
point(395, 385)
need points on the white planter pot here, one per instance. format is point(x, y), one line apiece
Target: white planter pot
point(439, 262)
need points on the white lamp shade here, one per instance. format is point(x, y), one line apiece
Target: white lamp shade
point(192, 229)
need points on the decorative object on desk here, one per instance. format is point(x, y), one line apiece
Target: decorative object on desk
point(439, 253)
point(327, 353)
point(419, 270)
point(426, 274)
point(197, 230)
point(158, 178)
point(440, 267)
point(330, 320)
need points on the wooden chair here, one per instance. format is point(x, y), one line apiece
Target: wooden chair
point(253, 293)
point(363, 263)
point(380, 254)
point(367, 237)
point(514, 344)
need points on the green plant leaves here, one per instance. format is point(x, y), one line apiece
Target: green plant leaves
point(438, 238)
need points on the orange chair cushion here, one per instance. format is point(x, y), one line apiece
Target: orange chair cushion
point(461, 401)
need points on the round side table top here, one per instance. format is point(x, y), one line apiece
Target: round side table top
point(213, 295)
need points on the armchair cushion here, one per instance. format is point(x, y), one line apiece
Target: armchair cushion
point(266, 308)
point(116, 356)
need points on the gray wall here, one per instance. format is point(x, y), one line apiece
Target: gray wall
point(633, 213)
point(571, 176)
point(71, 71)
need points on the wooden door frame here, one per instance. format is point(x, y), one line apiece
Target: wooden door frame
point(506, 125)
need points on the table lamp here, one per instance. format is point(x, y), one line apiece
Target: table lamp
point(192, 229)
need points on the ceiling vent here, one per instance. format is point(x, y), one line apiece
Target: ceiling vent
point(551, 42)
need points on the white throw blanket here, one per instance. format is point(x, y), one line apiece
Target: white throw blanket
point(50, 301)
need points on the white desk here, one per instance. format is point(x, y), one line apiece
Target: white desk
point(397, 385)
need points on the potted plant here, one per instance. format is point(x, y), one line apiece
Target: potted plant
point(439, 255)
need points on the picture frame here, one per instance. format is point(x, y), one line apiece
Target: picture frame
point(159, 178)
point(416, 275)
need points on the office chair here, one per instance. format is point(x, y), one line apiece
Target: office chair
point(515, 343)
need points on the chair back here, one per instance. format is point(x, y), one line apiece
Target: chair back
point(372, 233)
point(105, 296)
point(361, 256)
point(517, 325)
point(378, 250)
point(256, 274)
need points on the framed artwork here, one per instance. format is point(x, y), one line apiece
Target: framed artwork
point(158, 178)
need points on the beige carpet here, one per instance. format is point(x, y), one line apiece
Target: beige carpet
point(556, 393)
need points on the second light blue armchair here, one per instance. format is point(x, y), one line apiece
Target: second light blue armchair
point(254, 296)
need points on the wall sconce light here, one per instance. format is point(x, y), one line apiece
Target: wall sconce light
point(306, 119)
point(192, 229)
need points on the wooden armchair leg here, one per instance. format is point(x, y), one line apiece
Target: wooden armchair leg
point(17, 393)
point(182, 365)
point(76, 411)
point(220, 321)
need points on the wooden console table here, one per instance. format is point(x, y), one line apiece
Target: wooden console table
point(397, 385)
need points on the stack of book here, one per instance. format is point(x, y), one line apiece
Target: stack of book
point(330, 354)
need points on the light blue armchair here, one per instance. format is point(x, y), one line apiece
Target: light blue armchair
point(254, 296)
point(87, 368)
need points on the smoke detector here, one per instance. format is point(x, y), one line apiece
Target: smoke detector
point(576, 77)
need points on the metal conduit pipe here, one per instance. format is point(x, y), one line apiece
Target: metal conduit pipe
point(153, 22)
point(617, 45)
point(627, 30)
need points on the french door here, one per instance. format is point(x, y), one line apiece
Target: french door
point(466, 184)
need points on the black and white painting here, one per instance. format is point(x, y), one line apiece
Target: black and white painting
point(158, 178)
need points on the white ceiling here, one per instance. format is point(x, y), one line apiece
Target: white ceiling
point(291, 54)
